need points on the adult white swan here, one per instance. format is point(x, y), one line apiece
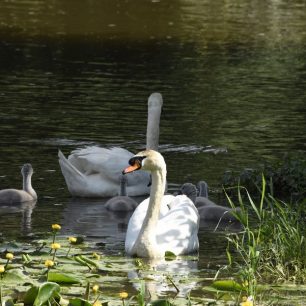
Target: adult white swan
point(94, 171)
point(27, 193)
point(162, 222)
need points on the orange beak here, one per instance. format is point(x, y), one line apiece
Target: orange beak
point(132, 168)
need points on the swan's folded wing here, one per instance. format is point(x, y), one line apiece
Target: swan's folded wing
point(177, 230)
point(92, 160)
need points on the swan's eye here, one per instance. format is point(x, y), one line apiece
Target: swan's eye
point(135, 164)
point(137, 160)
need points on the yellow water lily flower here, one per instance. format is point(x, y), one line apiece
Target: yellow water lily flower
point(56, 227)
point(2, 269)
point(55, 246)
point(247, 301)
point(9, 256)
point(97, 303)
point(96, 256)
point(123, 295)
point(95, 288)
point(72, 239)
point(49, 263)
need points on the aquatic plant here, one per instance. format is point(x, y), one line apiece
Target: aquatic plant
point(45, 273)
point(271, 247)
point(286, 179)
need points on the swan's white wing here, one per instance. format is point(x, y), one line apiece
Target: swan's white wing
point(138, 216)
point(92, 160)
point(95, 171)
point(177, 230)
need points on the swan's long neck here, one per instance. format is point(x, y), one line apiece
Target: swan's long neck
point(146, 245)
point(27, 186)
point(154, 112)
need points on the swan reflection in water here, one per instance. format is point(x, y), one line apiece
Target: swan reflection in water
point(171, 278)
point(90, 218)
point(25, 208)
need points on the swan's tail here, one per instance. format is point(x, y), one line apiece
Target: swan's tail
point(75, 180)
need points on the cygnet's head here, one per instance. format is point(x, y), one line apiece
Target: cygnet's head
point(27, 170)
point(189, 190)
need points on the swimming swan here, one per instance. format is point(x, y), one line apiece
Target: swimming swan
point(122, 202)
point(94, 171)
point(10, 196)
point(162, 222)
point(208, 210)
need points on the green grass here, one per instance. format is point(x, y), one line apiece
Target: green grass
point(271, 248)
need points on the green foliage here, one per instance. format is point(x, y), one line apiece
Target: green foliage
point(227, 285)
point(286, 179)
point(46, 292)
point(62, 278)
point(79, 302)
point(271, 247)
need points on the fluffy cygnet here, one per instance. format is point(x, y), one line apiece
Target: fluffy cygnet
point(27, 193)
point(121, 202)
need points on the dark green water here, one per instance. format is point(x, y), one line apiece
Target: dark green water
point(76, 73)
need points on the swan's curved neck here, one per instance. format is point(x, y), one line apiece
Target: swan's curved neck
point(27, 186)
point(153, 127)
point(146, 245)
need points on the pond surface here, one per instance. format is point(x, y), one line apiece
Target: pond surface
point(77, 73)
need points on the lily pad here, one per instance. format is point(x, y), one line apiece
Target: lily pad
point(62, 278)
point(45, 292)
point(227, 285)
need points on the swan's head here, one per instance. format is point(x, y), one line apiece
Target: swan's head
point(155, 100)
point(148, 160)
point(27, 170)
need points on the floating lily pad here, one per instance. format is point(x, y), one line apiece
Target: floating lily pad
point(62, 278)
point(227, 285)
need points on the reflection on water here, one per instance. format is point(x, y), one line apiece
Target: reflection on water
point(232, 74)
point(91, 219)
point(24, 210)
point(166, 278)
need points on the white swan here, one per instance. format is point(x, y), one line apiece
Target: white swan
point(162, 222)
point(10, 196)
point(122, 202)
point(94, 171)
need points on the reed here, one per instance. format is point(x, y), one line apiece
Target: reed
point(271, 248)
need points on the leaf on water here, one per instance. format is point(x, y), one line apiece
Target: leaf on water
point(79, 302)
point(46, 291)
point(227, 285)
point(15, 276)
point(169, 255)
point(62, 278)
point(30, 295)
